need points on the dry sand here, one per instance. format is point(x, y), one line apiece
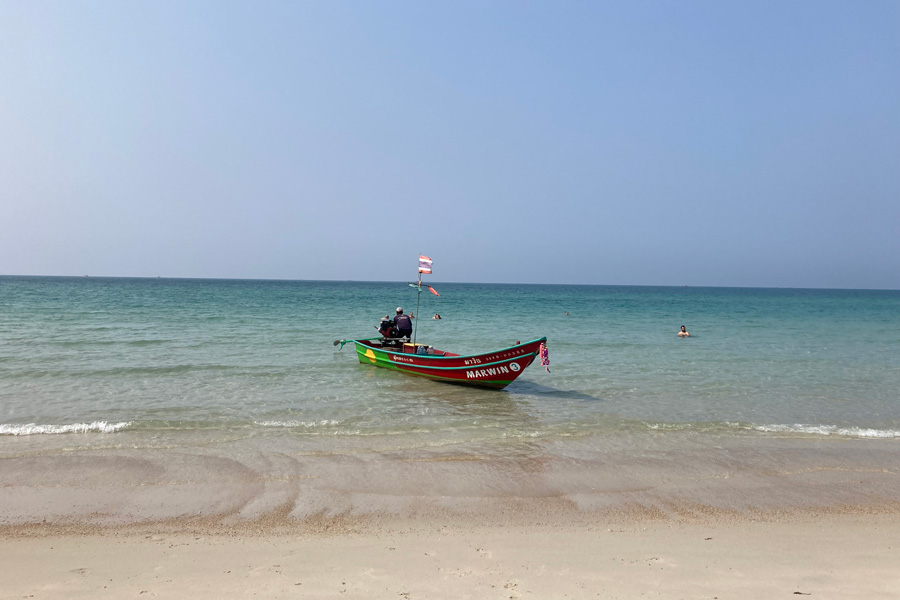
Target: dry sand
point(839, 555)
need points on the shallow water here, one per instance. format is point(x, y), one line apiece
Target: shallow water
point(106, 355)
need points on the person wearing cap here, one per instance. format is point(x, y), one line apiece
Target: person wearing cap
point(403, 324)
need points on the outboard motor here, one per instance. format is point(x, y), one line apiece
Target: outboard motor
point(387, 329)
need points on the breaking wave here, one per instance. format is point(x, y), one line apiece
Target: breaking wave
point(857, 432)
point(798, 429)
point(306, 424)
point(35, 429)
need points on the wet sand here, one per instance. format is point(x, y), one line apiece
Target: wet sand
point(249, 479)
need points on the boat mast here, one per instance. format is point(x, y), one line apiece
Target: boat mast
point(418, 296)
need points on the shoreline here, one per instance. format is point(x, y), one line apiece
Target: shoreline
point(517, 515)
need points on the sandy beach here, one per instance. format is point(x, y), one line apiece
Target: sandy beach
point(824, 556)
point(792, 517)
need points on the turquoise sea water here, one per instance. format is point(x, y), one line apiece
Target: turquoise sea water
point(88, 359)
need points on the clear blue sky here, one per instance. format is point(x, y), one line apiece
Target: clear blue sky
point(662, 143)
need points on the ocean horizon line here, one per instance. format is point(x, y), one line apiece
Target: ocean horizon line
point(442, 282)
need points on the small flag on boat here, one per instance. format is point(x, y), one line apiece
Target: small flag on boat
point(545, 356)
point(431, 289)
point(424, 265)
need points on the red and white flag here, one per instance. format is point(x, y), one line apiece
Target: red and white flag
point(424, 265)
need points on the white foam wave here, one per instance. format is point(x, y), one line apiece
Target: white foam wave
point(858, 432)
point(833, 430)
point(306, 424)
point(670, 426)
point(35, 429)
point(522, 434)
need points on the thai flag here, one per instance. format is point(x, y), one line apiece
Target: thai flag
point(424, 265)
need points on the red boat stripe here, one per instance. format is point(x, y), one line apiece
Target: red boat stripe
point(466, 367)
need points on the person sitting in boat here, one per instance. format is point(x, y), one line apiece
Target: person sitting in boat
point(403, 324)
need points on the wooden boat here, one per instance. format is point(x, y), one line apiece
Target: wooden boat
point(490, 370)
